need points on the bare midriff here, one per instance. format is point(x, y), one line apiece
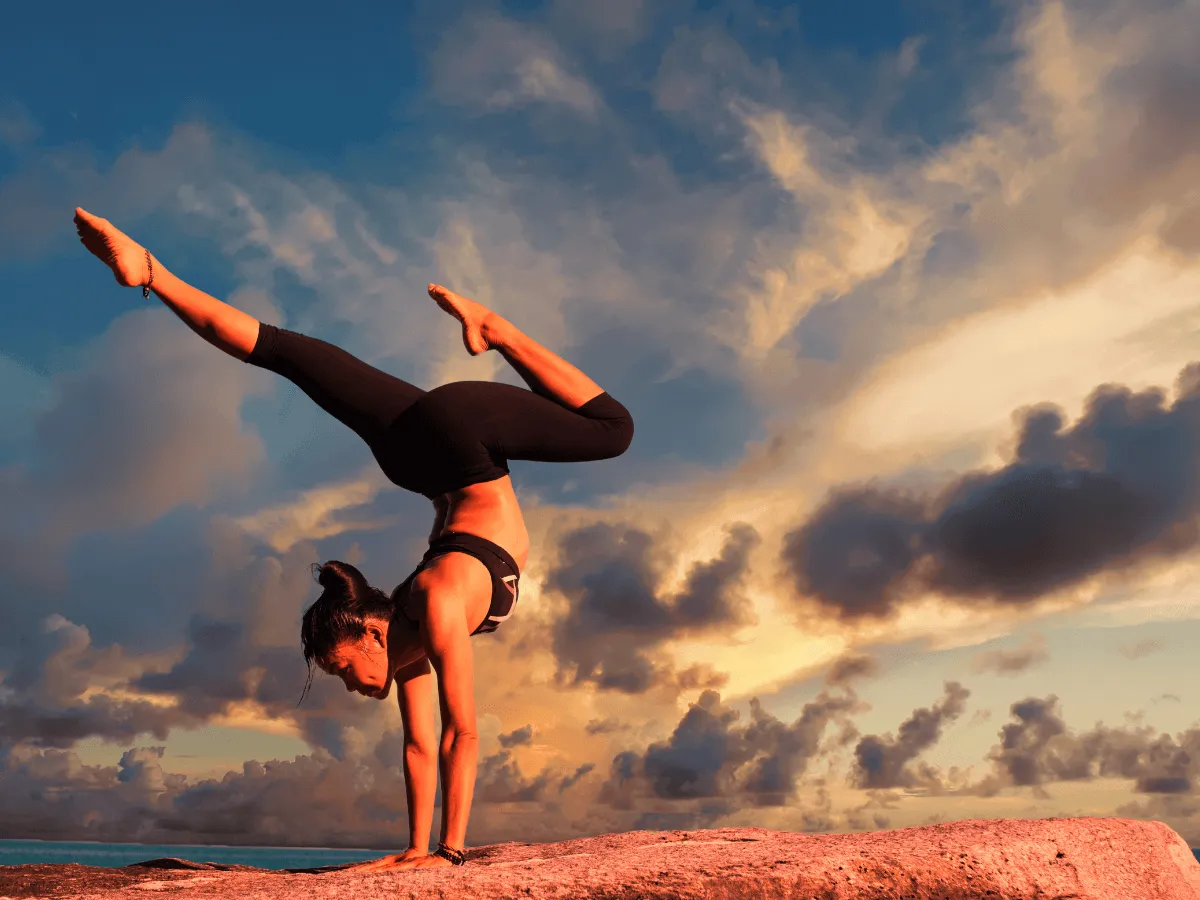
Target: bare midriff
point(488, 510)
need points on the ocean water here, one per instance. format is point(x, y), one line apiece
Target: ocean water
point(92, 853)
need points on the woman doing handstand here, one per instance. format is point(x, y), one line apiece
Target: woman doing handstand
point(451, 444)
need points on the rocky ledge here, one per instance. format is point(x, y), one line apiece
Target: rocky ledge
point(1004, 859)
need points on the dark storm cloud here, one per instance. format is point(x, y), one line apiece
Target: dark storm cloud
point(212, 675)
point(309, 801)
point(1005, 661)
point(1024, 757)
point(850, 668)
point(500, 781)
point(1039, 749)
point(522, 735)
point(617, 620)
point(883, 761)
point(712, 756)
point(224, 665)
point(1116, 488)
point(42, 698)
point(605, 726)
point(877, 822)
point(701, 814)
point(23, 719)
point(571, 780)
point(46, 697)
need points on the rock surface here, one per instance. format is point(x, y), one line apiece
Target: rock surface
point(1003, 859)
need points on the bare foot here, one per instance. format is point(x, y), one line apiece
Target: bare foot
point(117, 250)
point(477, 320)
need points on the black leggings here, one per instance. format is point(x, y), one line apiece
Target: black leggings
point(455, 435)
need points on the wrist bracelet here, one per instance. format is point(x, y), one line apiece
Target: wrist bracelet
point(456, 857)
point(150, 268)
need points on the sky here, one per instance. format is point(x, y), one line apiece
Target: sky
point(903, 299)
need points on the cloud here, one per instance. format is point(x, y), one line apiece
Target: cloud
point(36, 199)
point(1138, 649)
point(571, 780)
point(47, 697)
point(226, 671)
point(145, 375)
point(308, 801)
point(854, 229)
point(1004, 661)
point(1112, 490)
point(500, 781)
point(492, 64)
point(883, 761)
point(1033, 191)
point(712, 758)
point(616, 622)
point(849, 668)
point(605, 31)
point(239, 661)
point(17, 126)
point(522, 735)
point(319, 512)
point(701, 71)
point(1038, 749)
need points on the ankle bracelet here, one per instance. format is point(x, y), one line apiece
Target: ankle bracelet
point(150, 267)
point(457, 857)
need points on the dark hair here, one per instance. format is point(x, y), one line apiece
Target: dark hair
point(340, 613)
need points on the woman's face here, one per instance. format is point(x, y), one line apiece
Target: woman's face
point(363, 664)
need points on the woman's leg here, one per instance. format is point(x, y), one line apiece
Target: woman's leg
point(218, 323)
point(565, 417)
point(545, 372)
point(356, 394)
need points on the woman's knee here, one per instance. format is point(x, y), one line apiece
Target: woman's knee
point(619, 434)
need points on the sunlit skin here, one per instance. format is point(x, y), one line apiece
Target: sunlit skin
point(450, 597)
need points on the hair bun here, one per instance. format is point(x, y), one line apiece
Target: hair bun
point(337, 574)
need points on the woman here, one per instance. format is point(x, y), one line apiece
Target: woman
point(451, 444)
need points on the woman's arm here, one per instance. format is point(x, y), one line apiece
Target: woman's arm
point(441, 592)
point(414, 694)
point(414, 684)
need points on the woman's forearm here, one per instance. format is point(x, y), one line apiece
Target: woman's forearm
point(420, 786)
point(459, 757)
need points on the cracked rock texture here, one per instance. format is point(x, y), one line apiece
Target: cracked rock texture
point(1003, 859)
